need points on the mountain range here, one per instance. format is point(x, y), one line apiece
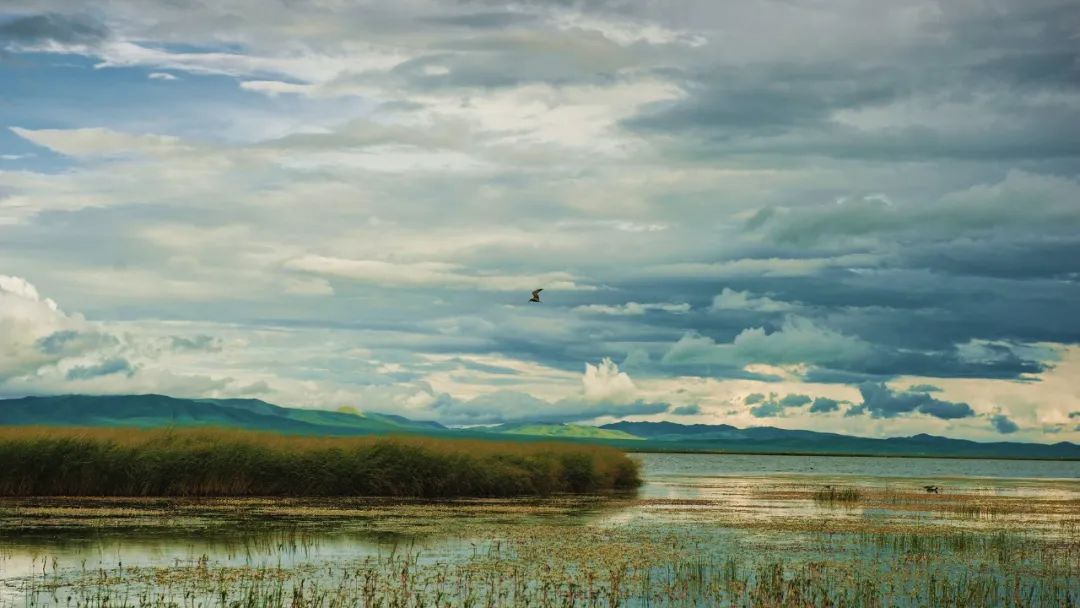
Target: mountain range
point(159, 410)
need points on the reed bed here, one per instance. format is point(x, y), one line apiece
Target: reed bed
point(49, 461)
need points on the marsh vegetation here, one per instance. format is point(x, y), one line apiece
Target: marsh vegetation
point(47, 461)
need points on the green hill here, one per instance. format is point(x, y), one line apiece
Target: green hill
point(149, 411)
point(578, 431)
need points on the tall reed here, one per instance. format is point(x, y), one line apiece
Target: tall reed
point(40, 461)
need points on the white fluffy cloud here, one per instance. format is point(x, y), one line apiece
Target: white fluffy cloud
point(633, 308)
point(604, 382)
point(25, 319)
point(729, 299)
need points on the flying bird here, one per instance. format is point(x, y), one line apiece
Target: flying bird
point(536, 295)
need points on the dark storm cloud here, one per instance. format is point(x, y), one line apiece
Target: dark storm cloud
point(483, 20)
point(69, 342)
point(766, 100)
point(1056, 68)
point(772, 407)
point(1021, 200)
point(882, 402)
point(795, 400)
point(115, 365)
point(1003, 424)
point(1011, 257)
point(64, 29)
point(997, 67)
point(823, 405)
point(769, 409)
point(835, 353)
point(686, 410)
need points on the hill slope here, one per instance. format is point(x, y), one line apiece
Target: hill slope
point(149, 411)
point(158, 410)
point(670, 435)
point(577, 431)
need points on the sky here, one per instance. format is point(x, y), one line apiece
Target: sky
point(827, 214)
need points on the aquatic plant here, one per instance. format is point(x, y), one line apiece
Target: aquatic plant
point(837, 494)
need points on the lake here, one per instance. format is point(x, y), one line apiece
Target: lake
point(703, 530)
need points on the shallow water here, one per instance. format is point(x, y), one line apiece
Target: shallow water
point(705, 507)
point(657, 466)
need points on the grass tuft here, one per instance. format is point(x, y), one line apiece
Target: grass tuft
point(837, 494)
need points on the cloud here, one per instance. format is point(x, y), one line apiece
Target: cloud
point(484, 20)
point(798, 341)
point(36, 31)
point(772, 406)
point(36, 332)
point(48, 351)
point(401, 274)
point(114, 365)
point(605, 391)
point(882, 402)
point(789, 197)
point(1003, 424)
point(633, 308)
point(604, 382)
point(687, 410)
point(795, 400)
point(96, 142)
point(1020, 199)
point(924, 388)
point(198, 343)
point(730, 299)
point(824, 405)
point(512, 406)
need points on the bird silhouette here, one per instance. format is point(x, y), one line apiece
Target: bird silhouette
point(536, 295)
point(932, 489)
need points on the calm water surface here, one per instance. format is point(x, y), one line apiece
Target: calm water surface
point(657, 466)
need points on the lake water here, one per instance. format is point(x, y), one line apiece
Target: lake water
point(713, 507)
point(658, 466)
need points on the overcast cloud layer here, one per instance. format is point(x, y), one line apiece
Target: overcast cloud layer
point(840, 216)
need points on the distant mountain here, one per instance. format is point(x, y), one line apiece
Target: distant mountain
point(723, 437)
point(159, 410)
point(577, 431)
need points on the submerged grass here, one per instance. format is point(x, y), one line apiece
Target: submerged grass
point(41, 461)
point(544, 573)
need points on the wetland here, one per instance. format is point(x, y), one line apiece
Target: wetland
point(703, 530)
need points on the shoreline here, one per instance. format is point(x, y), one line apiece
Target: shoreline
point(849, 455)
